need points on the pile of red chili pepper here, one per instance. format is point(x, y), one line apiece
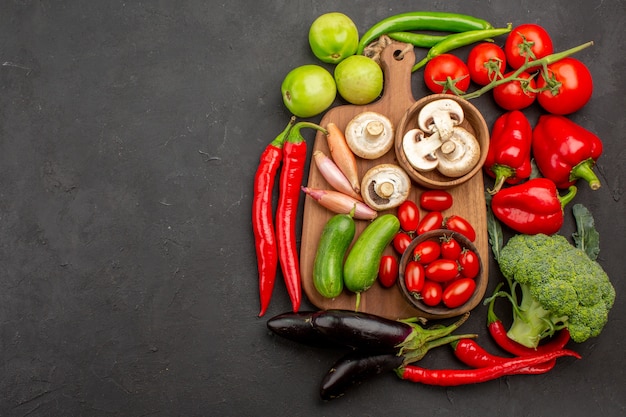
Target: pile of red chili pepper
point(274, 245)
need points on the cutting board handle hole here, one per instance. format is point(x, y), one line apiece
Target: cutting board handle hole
point(399, 54)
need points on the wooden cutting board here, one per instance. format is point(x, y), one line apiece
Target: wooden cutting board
point(469, 199)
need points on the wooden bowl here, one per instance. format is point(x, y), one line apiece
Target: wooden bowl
point(473, 122)
point(441, 311)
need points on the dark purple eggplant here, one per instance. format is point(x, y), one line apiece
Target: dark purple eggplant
point(298, 327)
point(362, 330)
point(354, 368)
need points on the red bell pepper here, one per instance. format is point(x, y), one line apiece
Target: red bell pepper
point(508, 157)
point(532, 207)
point(565, 151)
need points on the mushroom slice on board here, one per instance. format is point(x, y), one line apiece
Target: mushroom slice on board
point(440, 116)
point(385, 186)
point(369, 135)
point(419, 150)
point(458, 155)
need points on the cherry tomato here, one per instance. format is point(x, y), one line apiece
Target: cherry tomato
point(427, 251)
point(436, 200)
point(409, 216)
point(485, 61)
point(431, 293)
point(445, 69)
point(450, 248)
point(457, 293)
point(388, 271)
point(512, 95)
point(401, 241)
point(573, 89)
point(460, 225)
point(469, 262)
point(442, 270)
point(414, 277)
point(527, 41)
point(431, 221)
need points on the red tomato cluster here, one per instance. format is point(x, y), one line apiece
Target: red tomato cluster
point(442, 272)
point(563, 87)
point(443, 256)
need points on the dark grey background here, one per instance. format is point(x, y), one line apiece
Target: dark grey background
point(129, 136)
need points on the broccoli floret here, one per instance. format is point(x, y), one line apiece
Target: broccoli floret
point(557, 286)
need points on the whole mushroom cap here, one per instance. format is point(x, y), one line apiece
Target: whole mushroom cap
point(385, 186)
point(370, 135)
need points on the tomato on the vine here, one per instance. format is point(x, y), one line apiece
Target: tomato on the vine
point(401, 241)
point(527, 42)
point(414, 276)
point(458, 292)
point(485, 61)
point(446, 69)
point(431, 293)
point(388, 271)
point(436, 200)
point(450, 248)
point(409, 216)
point(461, 225)
point(469, 263)
point(572, 90)
point(516, 94)
point(431, 221)
point(427, 251)
point(442, 270)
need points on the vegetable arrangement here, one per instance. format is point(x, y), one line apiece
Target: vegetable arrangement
point(558, 292)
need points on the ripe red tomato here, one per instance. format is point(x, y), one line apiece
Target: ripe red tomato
point(460, 225)
point(485, 61)
point(442, 270)
point(401, 241)
point(414, 276)
point(435, 200)
point(469, 263)
point(527, 41)
point(431, 221)
point(573, 89)
point(388, 271)
point(512, 95)
point(431, 293)
point(446, 69)
point(427, 251)
point(450, 248)
point(457, 293)
point(409, 216)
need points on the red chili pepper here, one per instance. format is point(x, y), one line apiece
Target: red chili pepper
point(472, 354)
point(565, 151)
point(292, 172)
point(508, 157)
point(454, 377)
point(499, 334)
point(262, 223)
point(532, 207)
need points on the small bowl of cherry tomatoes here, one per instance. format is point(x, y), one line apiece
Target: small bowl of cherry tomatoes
point(441, 274)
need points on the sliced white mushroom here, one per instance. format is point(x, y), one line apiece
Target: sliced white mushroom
point(385, 186)
point(419, 150)
point(458, 155)
point(440, 116)
point(369, 135)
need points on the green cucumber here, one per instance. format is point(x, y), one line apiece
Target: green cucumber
point(336, 237)
point(361, 266)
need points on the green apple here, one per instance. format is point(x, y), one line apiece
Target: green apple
point(308, 90)
point(333, 37)
point(359, 79)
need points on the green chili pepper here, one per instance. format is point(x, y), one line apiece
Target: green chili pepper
point(458, 40)
point(437, 21)
point(420, 40)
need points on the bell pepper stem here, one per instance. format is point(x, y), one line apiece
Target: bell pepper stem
point(502, 173)
point(584, 170)
point(571, 193)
